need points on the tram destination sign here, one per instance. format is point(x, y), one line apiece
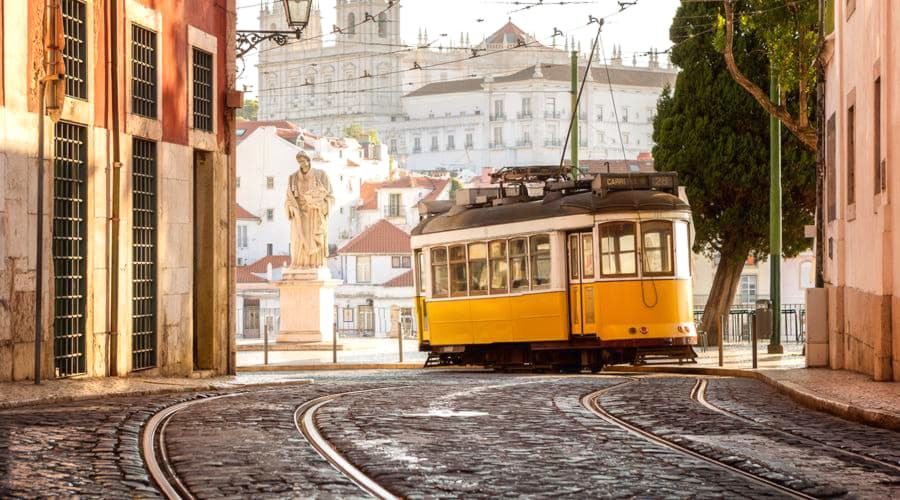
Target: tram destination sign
point(656, 181)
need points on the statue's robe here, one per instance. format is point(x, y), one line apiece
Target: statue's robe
point(308, 203)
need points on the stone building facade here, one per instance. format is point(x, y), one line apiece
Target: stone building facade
point(138, 190)
point(862, 150)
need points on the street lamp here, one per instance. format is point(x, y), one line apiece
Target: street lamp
point(297, 15)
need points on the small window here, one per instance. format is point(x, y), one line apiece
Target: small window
point(478, 269)
point(237, 182)
point(587, 255)
point(617, 249)
point(406, 262)
point(657, 248)
point(143, 71)
point(268, 249)
point(540, 261)
point(363, 269)
point(499, 275)
point(270, 214)
point(851, 155)
point(440, 279)
point(351, 24)
point(420, 278)
point(518, 264)
point(270, 183)
point(458, 277)
point(682, 250)
point(395, 261)
point(75, 53)
point(574, 268)
point(747, 290)
point(203, 90)
point(382, 25)
point(348, 315)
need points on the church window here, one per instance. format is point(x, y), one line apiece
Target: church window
point(351, 23)
point(382, 25)
point(451, 143)
point(417, 144)
point(470, 141)
point(434, 143)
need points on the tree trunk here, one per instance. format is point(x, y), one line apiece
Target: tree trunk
point(728, 275)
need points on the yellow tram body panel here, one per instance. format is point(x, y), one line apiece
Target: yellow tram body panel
point(532, 317)
point(620, 307)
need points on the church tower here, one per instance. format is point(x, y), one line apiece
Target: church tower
point(368, 24)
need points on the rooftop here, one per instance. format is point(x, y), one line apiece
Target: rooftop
point(405, 279)
point(243, 275)
point(242, 213)
point(262, 265)
point(379, 238)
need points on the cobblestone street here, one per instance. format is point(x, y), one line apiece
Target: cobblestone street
point(449, 433)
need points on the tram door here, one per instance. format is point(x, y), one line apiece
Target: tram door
point(581, 284)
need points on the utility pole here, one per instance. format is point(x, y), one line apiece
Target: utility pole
point(573, 145)
point(775, 346)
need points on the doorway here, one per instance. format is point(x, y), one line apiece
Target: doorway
point(251, 318)
point(204, 255)
point(582, 293)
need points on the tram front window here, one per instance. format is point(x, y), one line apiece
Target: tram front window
point(498, 267)
point(458, 271)
point(540, 261)
point(440, 280)
point(617, 249)
point(657, 248)
point(478, 270)
point(518, 264)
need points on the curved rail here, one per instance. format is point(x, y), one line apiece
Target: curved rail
point(699, 394)
point(304, 419)
point(589, 401)
point(154, 450)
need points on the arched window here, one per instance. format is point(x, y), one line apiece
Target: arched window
point(382, 25)
point(351, 23)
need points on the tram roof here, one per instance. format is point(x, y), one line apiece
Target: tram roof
point(574, 204)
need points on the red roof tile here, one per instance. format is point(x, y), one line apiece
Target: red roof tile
point(379, 238)
point(351, 163)
point(243, 275)
point(277, 261)
point(242, 213)
point(405, 279)
point(249, 127)
point(368, 193)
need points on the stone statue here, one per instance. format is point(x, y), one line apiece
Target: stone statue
point(309, 200)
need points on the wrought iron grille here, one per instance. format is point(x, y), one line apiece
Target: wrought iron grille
point(143, 71)
point(143, 315)
point(74, 15)
point(203, 78)
point(69, 247)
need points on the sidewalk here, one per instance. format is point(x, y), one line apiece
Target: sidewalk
point(13, 394)
point(354, 351)
point(849, 395)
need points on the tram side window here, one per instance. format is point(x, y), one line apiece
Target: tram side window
point(617, 249)
point(574, 269)
point(420, 277)
point(682, 250)
point(518, 264)
point(440, 280)
point(478, 269)
point(657, 248)
point(540, 261)
point(458, 278)
point(499, 272)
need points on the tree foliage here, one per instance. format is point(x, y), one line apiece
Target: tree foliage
point(250, 110)
point(787, 32)
point(713, 133)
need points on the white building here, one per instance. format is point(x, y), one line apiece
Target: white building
point(257, 300)
point(266, 157)
point(797, 274)
point(397, 200)
point(448, 115)
point(377, 292)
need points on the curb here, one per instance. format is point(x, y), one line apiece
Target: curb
point(330, 367)
point(847, 411)
point(162, 391)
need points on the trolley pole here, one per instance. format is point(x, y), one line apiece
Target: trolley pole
point(775, 346)
point(573, 146)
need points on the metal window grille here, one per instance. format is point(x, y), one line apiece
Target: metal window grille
point(143, 315)
point(143, 71)
point(69, 248)
point(203, 88)
point(74, 15)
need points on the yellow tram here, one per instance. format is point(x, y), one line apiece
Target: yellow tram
point(550, 273)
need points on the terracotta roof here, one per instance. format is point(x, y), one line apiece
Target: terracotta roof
point(439, 186)
point(289, 135)
point(379, 238)
point(351, 163)
point(368, 193)
point(243, 275)
point(243, 214)
point(249, 127)
point(617, 166)
point(262, 265)
point(405, 279)
point(639, 77)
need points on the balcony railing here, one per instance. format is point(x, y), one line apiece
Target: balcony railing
point(417, 150)
point(552, 142)
point(498, 117)
point(522, 143)
point(496, 145)
point(524, 115)
point(551, 114)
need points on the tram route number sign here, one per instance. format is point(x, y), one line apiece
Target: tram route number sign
point(657, 181)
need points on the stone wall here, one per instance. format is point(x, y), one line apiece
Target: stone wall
point(860, 333)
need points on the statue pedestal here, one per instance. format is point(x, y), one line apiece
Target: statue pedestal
point(307, 305)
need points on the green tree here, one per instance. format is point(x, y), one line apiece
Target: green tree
point(354, 131)
point(788, 32)
point(250, 110)
point(715, 136)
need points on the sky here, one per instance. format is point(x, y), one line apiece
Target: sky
point(636, 29)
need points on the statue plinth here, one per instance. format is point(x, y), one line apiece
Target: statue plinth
point(307, 305)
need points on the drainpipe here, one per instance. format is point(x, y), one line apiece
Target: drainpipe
point(39, 282)
point(113, 211)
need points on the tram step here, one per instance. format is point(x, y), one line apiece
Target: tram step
point(665, 355)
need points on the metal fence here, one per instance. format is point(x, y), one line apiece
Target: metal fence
point(793, 322)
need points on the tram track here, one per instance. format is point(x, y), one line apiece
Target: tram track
point(698, 394)
point(591, 403)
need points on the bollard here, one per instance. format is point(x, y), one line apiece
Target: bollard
point(722, 324)
point(400, 339)
point(334, 335)
point(753, 336)
point(266, 330)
